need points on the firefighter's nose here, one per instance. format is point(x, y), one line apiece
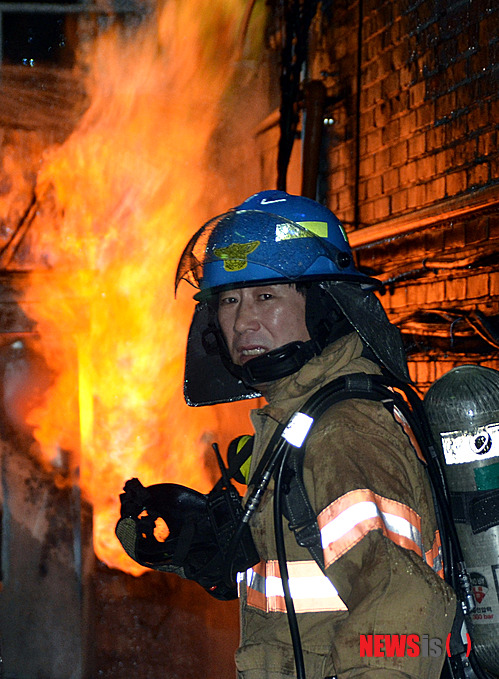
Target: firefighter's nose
point(246, 318)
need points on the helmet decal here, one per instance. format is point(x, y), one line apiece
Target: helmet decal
point(319, 228)
point(287, 230)
point(235, 256)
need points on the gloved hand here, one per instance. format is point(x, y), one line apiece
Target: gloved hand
point(200, 527)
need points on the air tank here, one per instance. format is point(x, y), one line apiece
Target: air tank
point(463, 410)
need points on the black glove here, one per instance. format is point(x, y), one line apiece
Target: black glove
point(200, 530)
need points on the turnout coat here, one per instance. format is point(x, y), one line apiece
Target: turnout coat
point(379, 536)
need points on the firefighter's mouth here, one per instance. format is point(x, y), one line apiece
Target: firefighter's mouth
point(248, 354)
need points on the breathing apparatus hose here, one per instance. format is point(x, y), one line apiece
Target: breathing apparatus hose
point(283, 568)
point(274, 456)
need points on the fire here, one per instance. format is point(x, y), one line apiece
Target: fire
point(117, 203)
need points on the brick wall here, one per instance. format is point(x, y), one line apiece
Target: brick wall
point(427, 129)
point(417, 144)
point(442, 290)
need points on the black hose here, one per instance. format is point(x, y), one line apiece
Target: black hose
point(283, 569)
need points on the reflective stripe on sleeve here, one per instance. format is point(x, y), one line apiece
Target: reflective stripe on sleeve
point(399, 417)
point(434, 556)
point(311, 590)
point(349, 518)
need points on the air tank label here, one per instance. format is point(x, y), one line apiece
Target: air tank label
point(485, 584)
point(487, 477)
point(473, 445)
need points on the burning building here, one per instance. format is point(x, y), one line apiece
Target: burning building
point(125, 127)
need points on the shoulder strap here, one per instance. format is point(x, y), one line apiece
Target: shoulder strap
point(296, 503)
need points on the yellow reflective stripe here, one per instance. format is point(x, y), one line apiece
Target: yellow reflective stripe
point(245, 467)
point(310, 589)
point(319, 228)
point(289, 231)
point(349, 518)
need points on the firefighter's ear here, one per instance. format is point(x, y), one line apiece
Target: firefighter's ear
point(239, 458)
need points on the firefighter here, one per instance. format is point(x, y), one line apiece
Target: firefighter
point(282, 311)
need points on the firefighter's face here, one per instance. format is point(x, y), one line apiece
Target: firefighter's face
point(257, 320)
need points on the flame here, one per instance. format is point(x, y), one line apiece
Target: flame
point(116, 204)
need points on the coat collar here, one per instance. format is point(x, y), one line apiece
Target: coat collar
point(340, 358)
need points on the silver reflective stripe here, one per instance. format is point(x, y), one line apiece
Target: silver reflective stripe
point(362, 511)
point(438, 562)
point(435, 560)
point(297, 429)
point(403, 527)
point(348, 519)
point(310, 589)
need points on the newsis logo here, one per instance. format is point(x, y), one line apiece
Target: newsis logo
point(405, 645)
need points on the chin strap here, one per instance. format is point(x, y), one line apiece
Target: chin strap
point(278, 363)
point(284, 360)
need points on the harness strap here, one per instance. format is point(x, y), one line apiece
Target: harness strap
point(480, 509)
point(296, 503)
point(299, 512)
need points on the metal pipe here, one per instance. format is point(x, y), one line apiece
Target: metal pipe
point(356, 199)
point(315, 98)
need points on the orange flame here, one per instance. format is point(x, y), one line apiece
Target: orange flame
point(118, 201)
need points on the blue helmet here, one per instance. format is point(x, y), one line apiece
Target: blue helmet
point(274, 237)
point(271, 237)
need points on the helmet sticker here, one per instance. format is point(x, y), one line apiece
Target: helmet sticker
point(235, 256)
point(343, 232)
point(288, 230)
point(319, 228)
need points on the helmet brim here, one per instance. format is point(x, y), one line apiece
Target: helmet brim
point(365, 282)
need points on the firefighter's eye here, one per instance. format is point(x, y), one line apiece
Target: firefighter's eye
point(481, 443)
point(225, 301)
